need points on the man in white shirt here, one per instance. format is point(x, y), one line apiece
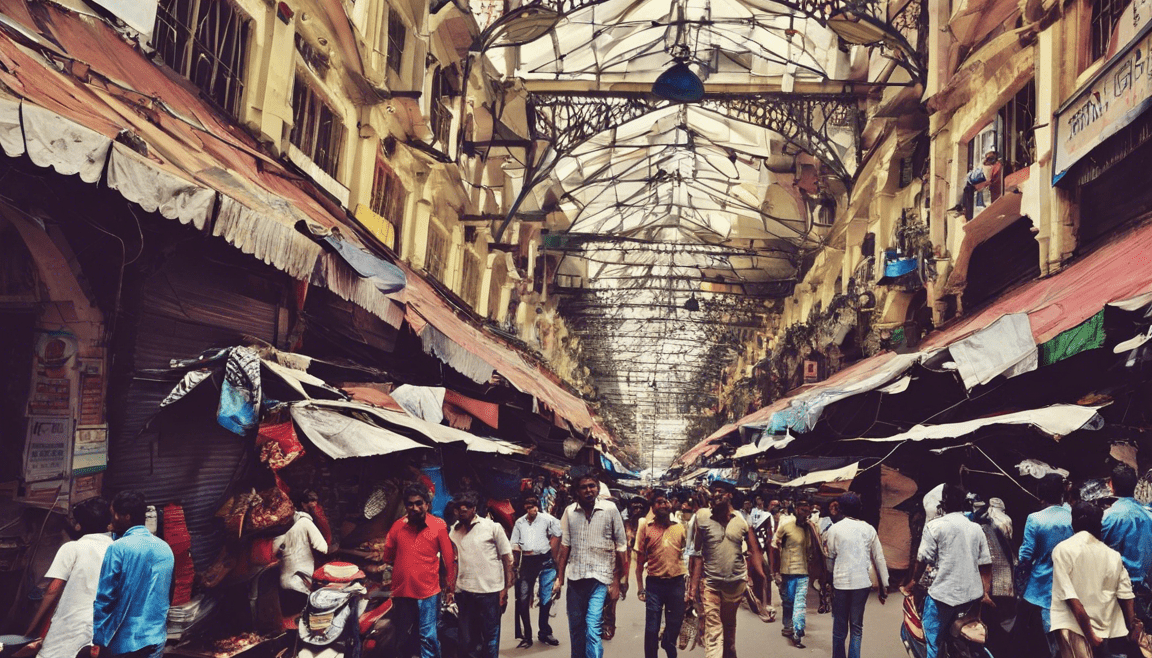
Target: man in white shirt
point(1092, 598)
point(535, 539)
point(295, 550)
point(72, 578)
point(959, 550)
point(485, 558)
point(853, 547)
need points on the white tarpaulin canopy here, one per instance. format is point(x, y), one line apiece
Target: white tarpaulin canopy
point(845, 474)
point(340, 436)
point(431, 431)
point(1059, 419)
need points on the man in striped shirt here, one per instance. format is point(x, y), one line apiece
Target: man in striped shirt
point(592, 557)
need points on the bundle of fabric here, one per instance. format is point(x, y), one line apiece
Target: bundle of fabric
point(278, 444)
point(180, 541)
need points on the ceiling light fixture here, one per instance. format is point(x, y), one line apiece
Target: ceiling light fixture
point(679, 84)
point(692, 304)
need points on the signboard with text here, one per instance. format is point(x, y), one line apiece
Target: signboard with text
point(1114, 98)
point(48, 452)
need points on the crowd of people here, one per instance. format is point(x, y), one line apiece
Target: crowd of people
point(1077, 585)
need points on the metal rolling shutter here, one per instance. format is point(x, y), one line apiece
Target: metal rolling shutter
point(191, 304)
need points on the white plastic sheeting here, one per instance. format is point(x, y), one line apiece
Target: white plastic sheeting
point(1058, 420)
point(11, 134)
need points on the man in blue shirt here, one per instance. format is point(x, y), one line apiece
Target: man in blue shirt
point(130, 616)
point(1042, 531)
point(1127, 529)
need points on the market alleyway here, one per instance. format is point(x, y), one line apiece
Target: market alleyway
point(754, 638)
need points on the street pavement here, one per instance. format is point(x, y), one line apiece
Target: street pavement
point(754, 638)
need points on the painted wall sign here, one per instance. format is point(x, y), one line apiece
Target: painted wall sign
point(1114, 98)
point(52, 377)
point(90, 453)
point(48, 449)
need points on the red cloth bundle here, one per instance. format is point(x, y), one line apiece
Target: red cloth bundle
point(278, 444)
point(180, 540)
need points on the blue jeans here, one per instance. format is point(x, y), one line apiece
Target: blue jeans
point(586, 598)
point(418, 620)
point(848, 611)
point(155, 651)
point(533, 569)
point(479, 620)
point(663, 595)
point(794, 603)
point(937, 620)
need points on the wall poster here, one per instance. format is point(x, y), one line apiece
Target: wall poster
point(48, 451)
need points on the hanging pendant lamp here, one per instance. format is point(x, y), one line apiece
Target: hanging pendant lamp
point(679, 84)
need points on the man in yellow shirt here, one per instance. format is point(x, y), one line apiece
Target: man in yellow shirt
point(796, 556)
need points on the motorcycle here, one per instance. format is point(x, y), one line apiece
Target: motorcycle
point(342, 619)
point(965, 638)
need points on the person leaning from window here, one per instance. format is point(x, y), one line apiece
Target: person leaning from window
point(72, 580)
point(484, 577)
point(415, 547)
point(130, 614)
point(592, 557)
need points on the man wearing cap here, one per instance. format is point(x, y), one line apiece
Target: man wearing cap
point(535, 539)
point(485, 576)
point(719, 573)
point(416, 546)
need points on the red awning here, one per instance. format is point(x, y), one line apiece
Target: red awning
point(477, 354)
point(1118, 270)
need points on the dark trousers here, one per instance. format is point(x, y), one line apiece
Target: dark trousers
point(848, 614)
point(479, 623)
point(533, 569)
point(663, 595)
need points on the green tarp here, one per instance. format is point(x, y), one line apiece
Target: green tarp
point(1088, 335)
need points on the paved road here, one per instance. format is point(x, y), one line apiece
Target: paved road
point(754, 638)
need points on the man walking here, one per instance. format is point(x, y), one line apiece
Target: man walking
point(130, 614)
point(535, 540)
point(72, 580)
point(1043, 530)
point(718, 556)
point(415, 547)
point(660, 547)
point(592, 557)
point(797, 556)
point(963, 580)
point(483, 579)
point(853, 547)
point(1092, 599)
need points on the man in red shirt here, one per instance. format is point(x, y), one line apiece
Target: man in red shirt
point(415, 546)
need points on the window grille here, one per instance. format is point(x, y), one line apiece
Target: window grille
point(388, 196)
point(206, 41)
point(1105, 16)
point(436, 257)
point(470, 287)
point(440, 117)
point(397, 35)
point(317, 130)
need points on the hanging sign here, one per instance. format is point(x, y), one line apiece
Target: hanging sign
point(90, 453)
point(48, 448)
point(51, 376)
point(1114, 97)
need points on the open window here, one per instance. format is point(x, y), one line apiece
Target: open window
point(1105, 16)
point(1006, 145)
point(316, 129)
point(205, 41)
